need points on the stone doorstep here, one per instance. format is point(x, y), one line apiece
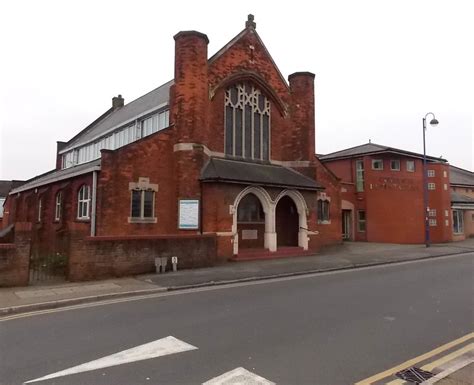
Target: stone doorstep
point(24, 294)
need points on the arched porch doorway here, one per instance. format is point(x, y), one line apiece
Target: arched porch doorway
point(264, 223)
point(250, 222)
point(287, 222)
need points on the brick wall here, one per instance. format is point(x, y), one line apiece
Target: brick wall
point(15, 257)
point(393, 200)
point(104, 257)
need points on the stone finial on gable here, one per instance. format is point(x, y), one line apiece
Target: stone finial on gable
point(250, 23)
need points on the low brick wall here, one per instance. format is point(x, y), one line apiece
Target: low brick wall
point(104, 257)
point(15, 257)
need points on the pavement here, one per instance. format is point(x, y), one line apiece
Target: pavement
point(348, 255)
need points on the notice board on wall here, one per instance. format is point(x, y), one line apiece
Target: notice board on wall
point(188, 214)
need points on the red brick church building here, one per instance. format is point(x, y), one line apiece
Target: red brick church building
point(222, 154)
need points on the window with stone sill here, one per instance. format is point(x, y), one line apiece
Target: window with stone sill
point(142, 201)
point(395, 165)
point(410, 165)
point(377, 164)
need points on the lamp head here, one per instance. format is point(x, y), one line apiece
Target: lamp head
point(434, 122)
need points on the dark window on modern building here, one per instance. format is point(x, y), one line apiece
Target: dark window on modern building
point(458, 222)
point(247, 122)
point(395, 165)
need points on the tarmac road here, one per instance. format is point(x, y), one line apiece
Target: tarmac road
point(334, 328)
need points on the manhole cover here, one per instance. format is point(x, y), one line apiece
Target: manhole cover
point(415, 375)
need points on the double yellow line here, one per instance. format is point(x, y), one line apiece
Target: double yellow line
point(423, 357)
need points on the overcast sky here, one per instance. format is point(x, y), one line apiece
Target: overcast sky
point(380, 67)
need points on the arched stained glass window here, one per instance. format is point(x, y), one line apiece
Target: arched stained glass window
point(247, 122)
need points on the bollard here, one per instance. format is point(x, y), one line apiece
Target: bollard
point(164, 262)
point(160, 264)
point(174, 261)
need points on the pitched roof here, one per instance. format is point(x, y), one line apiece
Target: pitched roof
point(373, 148)
point(238, 171)
point(460, 198)
point(145, 104)
point(57, 175)
point(7, 185)
point(459, 176)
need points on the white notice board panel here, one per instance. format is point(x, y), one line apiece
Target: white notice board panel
point(188, 213)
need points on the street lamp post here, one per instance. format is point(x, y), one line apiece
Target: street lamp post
point(433, 123)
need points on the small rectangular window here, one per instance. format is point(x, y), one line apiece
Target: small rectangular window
point(445, 173)
point(410, 165)
point(432, 222)
point(446, 213)
point(377, 164)
point(445, 187)
point(323, 210)
point(431, 173)
point(432, 213)
point(361, 221)
point(431, 186)
point(395, 165)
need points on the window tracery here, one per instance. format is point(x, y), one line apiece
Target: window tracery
point(247, 122)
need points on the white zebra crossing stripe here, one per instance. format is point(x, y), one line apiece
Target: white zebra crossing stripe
point(238, 376)
point(158, 348)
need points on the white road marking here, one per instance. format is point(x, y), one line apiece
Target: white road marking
point(238, 376)
point(158, 348)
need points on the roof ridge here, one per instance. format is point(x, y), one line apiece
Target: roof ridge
point(461, 169)
point(360, 145)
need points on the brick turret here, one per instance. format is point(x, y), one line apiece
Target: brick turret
point(191, 85)
point(302, 112)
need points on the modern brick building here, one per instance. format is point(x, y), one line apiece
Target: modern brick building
point(462, 202)
point(222, 154)
point(382, 195)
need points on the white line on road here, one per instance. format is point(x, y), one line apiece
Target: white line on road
point(238, 376)
point(158, 348)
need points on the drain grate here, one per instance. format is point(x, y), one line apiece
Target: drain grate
point(414, 375)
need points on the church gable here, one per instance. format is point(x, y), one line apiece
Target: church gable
point(247, 56)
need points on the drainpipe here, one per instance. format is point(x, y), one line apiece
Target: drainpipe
point(94, 203)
